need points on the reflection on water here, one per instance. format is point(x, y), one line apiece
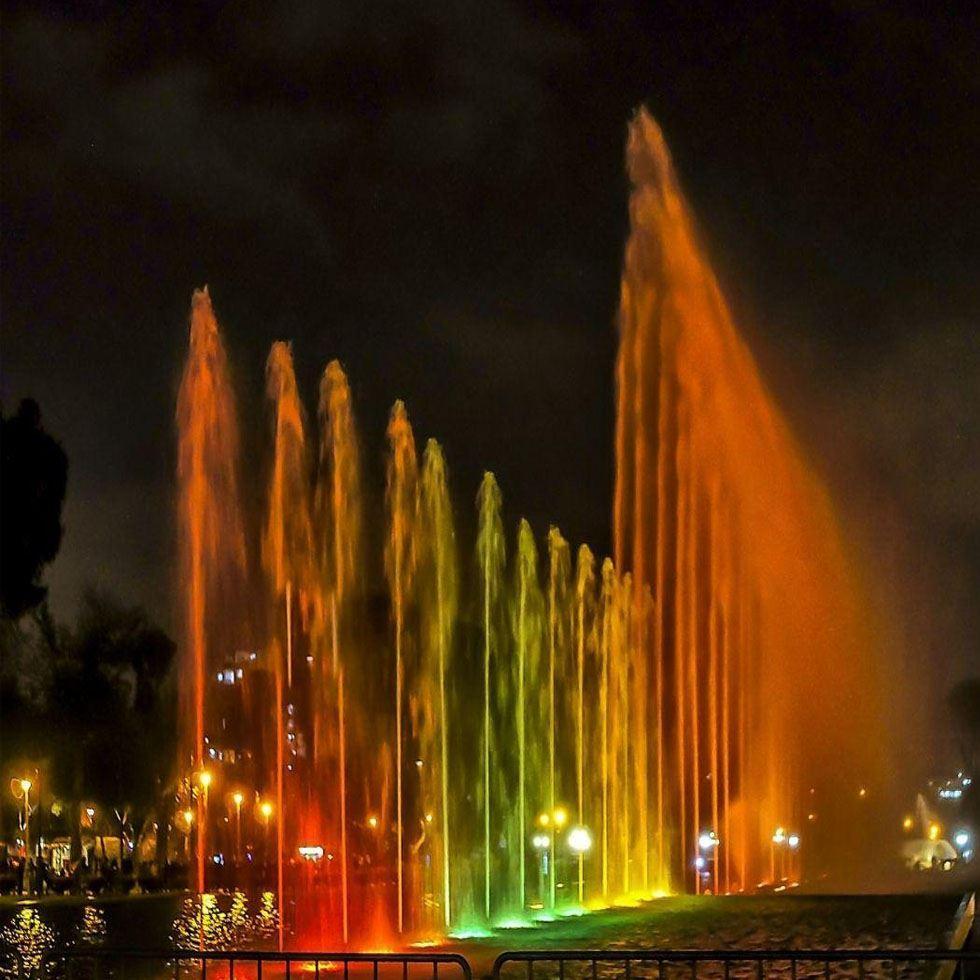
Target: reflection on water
point(28, 938)
point(215, 922)
point(222, 921)
point(92, 929)
point(239, 920)
point(267, 919)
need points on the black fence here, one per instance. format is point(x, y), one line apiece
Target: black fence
point(598, 964)
point(649, 964)
point(246, 965)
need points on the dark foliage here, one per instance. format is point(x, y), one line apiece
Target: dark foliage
point(34, 474)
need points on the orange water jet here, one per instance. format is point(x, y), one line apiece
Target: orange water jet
point(718, 511)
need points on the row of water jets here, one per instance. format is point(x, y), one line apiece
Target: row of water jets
point(718, 683)
point(502, 735)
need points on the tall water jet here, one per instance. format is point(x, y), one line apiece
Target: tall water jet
point(438, 602)
point(584, 627)
point(530, 708)
point(694, 421)
point(643, 702)
point(211, 541)
point(621, 741)
point(606, 616)
point(287, 552)
point(560, 670)
point(401, 554)
point(338, 511)
point(491, 557)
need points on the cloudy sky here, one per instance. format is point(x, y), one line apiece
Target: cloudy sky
point(435, 194)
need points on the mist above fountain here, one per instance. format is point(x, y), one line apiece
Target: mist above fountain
point(427, 743)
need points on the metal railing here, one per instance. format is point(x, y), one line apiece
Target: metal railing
point(573, 964)
point(108, 964)
point(654, 964)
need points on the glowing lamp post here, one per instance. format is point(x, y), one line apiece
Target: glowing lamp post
point(580, 843)
point(541, 843)
point(25, 785)
point(204, 784)
point(21, 789)
point(777, 840)
point(708, 842)
point(204, 781)
point(265, 808)
point(559, 818)
point(238, 798)
point(188, 821)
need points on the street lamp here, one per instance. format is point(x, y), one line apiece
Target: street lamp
point(708, 841)
point(541, 843)
point(778, 838)
point(238, 798)
point(580, 842)
point(188, 816)
point(21, 789)
point(265, 809)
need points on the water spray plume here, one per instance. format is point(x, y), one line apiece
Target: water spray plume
point(439, 598)
point(490, 549)
point(211, 540)
point(400, 564)
point(761, 627)
point(337, 510)
point(287, 555)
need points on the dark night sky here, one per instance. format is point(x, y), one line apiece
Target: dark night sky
point(435, 193)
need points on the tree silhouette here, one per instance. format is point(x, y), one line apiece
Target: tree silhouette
point(113, 713)
point(33, 477)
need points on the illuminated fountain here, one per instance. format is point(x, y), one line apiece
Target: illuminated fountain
point(761, 638)
point(420, 745)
